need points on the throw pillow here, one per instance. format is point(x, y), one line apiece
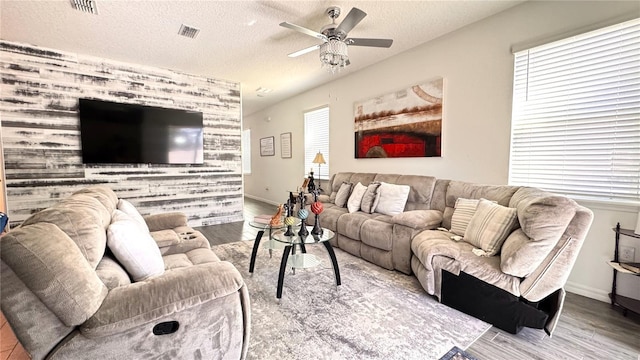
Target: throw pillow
point(369, 197)
point(134, 248)
point(393, 198)
point(490, 226)
point(356, 197)
point(128, 208)
point(462, 214)
point(343, 194)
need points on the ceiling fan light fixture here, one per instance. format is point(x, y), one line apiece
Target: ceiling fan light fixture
point(334, 55)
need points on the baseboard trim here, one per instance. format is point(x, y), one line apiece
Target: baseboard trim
point(257, 198)
point(587, 291)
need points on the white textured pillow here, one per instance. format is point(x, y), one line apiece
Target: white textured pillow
point(128, 208)
point(490, 226)
point(134, 248)
point(356, 197)
point(393, 198)
point(462, 214)
point(343, 194)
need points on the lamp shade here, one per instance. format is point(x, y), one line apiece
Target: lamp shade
point(319, 159)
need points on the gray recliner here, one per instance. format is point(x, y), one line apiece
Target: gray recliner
point(66, 296)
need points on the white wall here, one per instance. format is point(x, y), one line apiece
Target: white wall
point(477, 65)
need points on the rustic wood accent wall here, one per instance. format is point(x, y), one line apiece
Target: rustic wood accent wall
point(41, 135)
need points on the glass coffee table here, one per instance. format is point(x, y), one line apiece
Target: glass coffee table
point(302, 260)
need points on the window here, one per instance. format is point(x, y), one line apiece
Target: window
point(576, 115)
point(316, 139)
point(246, 151)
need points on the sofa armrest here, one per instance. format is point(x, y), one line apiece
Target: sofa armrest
point(130, 306)
point(419, 219)
point(165, 221)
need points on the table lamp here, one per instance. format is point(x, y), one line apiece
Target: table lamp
point(319, 159)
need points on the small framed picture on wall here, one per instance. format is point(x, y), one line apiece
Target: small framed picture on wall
point(285, 145)
point(267, 146)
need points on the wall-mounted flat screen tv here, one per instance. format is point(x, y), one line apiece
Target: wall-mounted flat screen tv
point(116, 133)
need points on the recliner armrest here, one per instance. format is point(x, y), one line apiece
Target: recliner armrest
point(164, 221)
point(419, 219)
point(127, 307)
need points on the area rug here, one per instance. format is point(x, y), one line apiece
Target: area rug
point(374, 314)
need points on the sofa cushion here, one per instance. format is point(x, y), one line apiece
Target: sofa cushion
point(367, 204)
point(111, 273)
point(189, 258)
point(52, 266)
point(134, 248)
point(377, 233)
point(355, 199)
point(128, 208)
point(490, 226)
point(418, 219)
point(421, 191)
point(393, 198)
point(343, 195)
point(435, 251)
point(501, 194)
point(84, 219)
point(520, 256)
point(543, 219)
point(543, 215)
point(165, 237)
point(102, 193)
point(462, 214)
point(350, 224)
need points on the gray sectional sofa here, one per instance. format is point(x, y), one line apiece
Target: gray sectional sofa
point(70, 291)
point(520, 286)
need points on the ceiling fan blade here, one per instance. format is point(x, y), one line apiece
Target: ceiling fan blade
point(304, 51)
point(353, 18)
point(303, 30)
point(385, 43)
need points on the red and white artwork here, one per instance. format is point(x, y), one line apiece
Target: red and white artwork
point(405, 123)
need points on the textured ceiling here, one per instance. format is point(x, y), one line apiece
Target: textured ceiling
point(238, 40)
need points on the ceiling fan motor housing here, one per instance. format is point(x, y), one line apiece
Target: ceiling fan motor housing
point(331, 32)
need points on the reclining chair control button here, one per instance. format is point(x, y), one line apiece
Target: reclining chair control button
point(165, 328)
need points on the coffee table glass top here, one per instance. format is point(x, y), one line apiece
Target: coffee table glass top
point(302, 260)
point(309, 239)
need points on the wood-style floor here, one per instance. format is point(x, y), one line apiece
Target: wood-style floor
point(588, 329)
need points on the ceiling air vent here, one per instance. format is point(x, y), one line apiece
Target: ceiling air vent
point(188, 31)
point(88, 6)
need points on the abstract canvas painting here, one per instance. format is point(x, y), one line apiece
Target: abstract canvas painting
point(405, 123)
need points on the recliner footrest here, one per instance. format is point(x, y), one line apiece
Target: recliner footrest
point(490, 303)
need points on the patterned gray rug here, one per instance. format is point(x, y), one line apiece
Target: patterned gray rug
point(374, 314)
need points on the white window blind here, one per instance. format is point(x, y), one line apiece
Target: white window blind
point(576, 115)
point(246, 151)
point(316, 138)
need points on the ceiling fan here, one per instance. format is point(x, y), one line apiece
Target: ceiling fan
point(333, 50)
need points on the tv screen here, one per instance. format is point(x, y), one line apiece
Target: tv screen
point(134, 134)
